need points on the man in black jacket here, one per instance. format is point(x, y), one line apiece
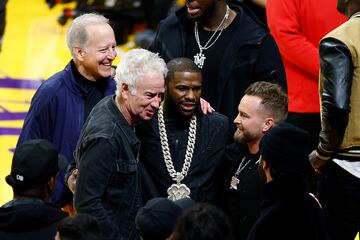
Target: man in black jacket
point(33, 171)
point(181, 147)
point(108, 185)
point(229, 44)
point(263, 106)
point(288, 210)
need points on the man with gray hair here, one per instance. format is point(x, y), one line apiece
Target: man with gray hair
point(62, 103)
point(108, 185)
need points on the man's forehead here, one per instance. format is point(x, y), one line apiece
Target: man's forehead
point(187, 76)
point(187, 73)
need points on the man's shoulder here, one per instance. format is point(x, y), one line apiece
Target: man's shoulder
point(104, 119)
point(347, 30)
point(53, 84)
point(248, 28)
point(217, 120)
point(175, 18)
point(50, 90)
point(216, 117)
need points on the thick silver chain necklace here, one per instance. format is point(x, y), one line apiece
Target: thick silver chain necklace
point(199, 58)
point(177, 190)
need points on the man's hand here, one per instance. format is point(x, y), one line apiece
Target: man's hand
point(316, 162)
point(71, 182)
point(205, 106)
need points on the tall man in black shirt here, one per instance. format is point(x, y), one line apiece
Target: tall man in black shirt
point(228, 43)
point(263, 106)
point(181, 147)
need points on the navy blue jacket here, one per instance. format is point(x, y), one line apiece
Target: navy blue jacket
point(57, 114)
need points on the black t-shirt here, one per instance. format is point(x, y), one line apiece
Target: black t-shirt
point(243, 205)
point(213, 56)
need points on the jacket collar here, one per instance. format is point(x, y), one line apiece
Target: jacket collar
point(120, 120)
point(74, 87)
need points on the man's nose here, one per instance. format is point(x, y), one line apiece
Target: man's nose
point(190, 95)
point(237, 120)
point(155, 103)
point(112, 54)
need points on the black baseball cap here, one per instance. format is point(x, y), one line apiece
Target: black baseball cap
point(34, 163)
point(157, 218)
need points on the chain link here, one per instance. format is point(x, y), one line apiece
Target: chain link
point(176, 176)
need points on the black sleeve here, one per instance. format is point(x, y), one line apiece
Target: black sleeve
point(95, 170)
point(337, 70)
point(269, 64)
point(69, 169)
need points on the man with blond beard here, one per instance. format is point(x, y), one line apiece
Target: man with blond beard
point(263, 106)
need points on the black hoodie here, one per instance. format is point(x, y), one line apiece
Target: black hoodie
point(29, 219)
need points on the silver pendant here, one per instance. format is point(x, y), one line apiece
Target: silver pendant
point(234, 182)
point(199, 59)
point(177, 191)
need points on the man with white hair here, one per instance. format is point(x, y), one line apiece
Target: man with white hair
point(108, 184)
point(62, 103)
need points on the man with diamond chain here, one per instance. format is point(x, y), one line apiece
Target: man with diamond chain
point(263, 106)
point(230, 45)
point(182, 147)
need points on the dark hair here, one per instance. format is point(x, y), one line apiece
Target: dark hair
point(274, 99)
point(79, 227)
point(180, 65)
point(202, 222)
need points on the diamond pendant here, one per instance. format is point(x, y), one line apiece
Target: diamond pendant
point(199, 59)
point(177, 191)
point(234, 182)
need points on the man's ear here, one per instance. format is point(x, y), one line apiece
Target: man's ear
point(265, 165)
point(51, 183)
point(269, 123)
point(124, 90)
point(78, 53)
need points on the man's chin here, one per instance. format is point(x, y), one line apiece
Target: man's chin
point(239, 137)
point(193, 18)
point(188, 112)
point(147, 116)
